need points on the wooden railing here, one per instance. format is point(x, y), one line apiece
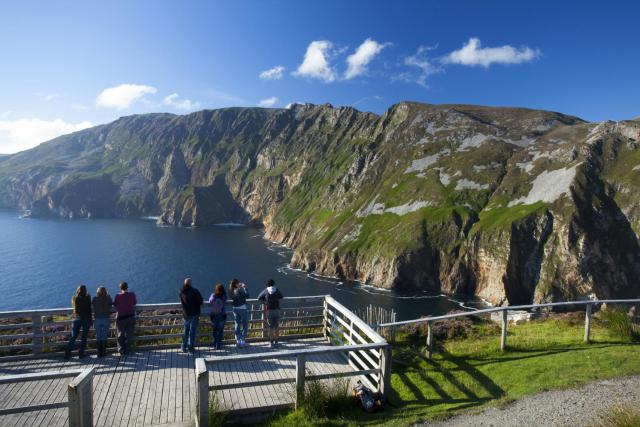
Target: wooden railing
point(80, 394)
point(391, 327)
point(34, 333)
point(368, 354)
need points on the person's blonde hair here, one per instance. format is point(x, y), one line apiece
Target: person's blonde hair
point(81, 291)
point(101, 291)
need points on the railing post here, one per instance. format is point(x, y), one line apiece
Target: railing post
point(80, 392)
point(587, 323)
point(202, 393)
point(36, 330)
point(325, 320)
point(429, 340)
point(384, 381)
point(300, 371)
point(503, 338)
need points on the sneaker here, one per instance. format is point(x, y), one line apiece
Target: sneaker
point(275, 344)
point(272, 344)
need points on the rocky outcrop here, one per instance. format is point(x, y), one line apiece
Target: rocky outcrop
point(512, 205)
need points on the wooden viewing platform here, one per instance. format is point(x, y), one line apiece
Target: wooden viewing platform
point(158, 384)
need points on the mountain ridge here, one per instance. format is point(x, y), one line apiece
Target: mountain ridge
point(511, 204)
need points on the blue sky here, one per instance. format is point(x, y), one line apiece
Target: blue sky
point(68, 65)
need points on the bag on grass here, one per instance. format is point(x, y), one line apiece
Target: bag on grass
point(368, 400)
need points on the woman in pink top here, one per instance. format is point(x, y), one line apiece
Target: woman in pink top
point(125, 304)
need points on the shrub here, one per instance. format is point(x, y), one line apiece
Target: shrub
point(620, 322)
point(217, 413)
point(459, 327)
point(620, 416)
point(323, 399)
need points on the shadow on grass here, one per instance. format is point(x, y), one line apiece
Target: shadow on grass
point(515, 353)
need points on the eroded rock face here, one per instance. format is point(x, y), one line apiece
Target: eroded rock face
point(512, 205)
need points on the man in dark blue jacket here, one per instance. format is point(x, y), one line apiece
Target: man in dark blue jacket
point(191, 301)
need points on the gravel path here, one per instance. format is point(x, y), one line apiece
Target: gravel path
point(572, 407)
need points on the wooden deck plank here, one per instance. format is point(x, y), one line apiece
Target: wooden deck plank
point(105, 378)
point(151, 389)
point(147, 376)
point(131, 398)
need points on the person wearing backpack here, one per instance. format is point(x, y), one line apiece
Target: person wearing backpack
point(191, 300)
point(218, 315)
point(270, 298)
point(239, 294)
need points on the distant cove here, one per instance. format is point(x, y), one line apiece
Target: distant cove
point(42, 261)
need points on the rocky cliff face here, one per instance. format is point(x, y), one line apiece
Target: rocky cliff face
point(513, 205)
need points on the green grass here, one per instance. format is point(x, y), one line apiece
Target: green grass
point(470, 373)
point(501, 217)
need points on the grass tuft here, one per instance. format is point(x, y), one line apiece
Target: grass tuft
point(217, 412)
point(620, 416)
point(620, 323)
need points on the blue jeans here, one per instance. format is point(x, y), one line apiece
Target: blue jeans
point(241, 317)
point(217, 321)
point(101, 324)
point(190, 334)
point(76, 325)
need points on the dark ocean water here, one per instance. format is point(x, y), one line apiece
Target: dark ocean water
point(42, 262)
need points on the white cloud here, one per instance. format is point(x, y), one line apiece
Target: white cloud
point(316, 62)
point(52, 96)
point(22, 134)
point(174, 101)
point(274, 73)
point(472, 54)
point(424, 65)
point(122, 96)
point(269, 102)
point(358, 61)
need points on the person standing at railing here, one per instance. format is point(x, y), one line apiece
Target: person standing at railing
point(239, 294)
point(81, 304)
point(271, 297)
point(125, 303)
point(218, 315)
point(191, 301)
point(102, 311)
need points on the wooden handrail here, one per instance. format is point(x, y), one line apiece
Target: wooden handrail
point(144, 307)
point(293, 353)
point(509, 307)
point(39, 376)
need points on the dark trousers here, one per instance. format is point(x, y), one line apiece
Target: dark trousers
point(217, 321)
point(76, 325)
point(125, 327)
point(190, 333)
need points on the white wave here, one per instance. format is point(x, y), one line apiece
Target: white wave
point(230, 224)
point(150, 218)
